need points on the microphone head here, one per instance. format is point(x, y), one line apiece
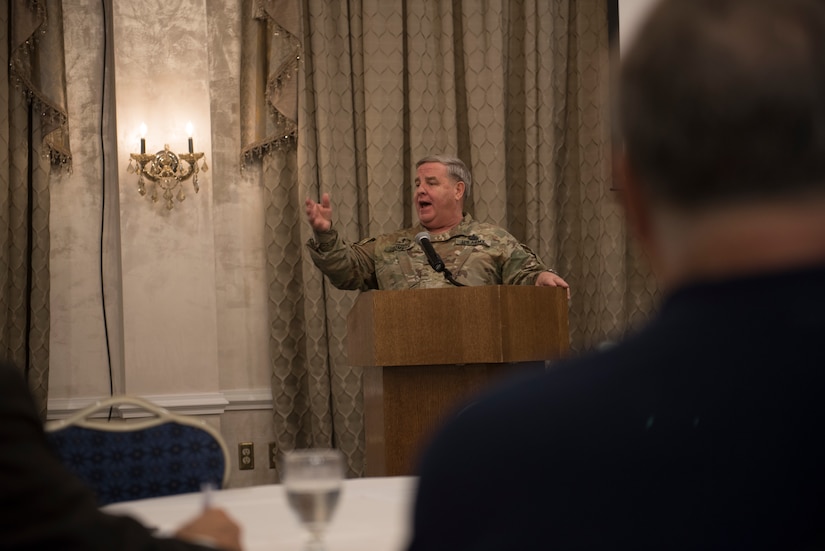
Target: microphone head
point(421, 236)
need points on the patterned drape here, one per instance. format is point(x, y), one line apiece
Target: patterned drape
point(33, 139)
point(518, 89)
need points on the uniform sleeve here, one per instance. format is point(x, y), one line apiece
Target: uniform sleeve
point(522, 267)
point(348, 266)
point(44, 506)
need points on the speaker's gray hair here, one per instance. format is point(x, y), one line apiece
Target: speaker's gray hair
point(455, 169)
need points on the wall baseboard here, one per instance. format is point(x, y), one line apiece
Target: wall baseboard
point(248, 399)
point(209, 403)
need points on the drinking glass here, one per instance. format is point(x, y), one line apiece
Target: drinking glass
point(312, 479)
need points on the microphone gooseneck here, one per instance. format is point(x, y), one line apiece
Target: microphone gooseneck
point(423, 240)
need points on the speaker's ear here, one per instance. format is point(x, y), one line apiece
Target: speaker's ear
point(459, 189)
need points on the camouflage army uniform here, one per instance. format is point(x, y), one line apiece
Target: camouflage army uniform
point(476, 253)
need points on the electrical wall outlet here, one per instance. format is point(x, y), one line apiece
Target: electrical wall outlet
point(246, 456)
point(273, 455)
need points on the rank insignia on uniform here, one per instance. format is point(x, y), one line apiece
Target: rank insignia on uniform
point(403, 244)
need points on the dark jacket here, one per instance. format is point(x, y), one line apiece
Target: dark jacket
point(42, 505)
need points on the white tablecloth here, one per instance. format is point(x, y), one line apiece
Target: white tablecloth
point(372, 514)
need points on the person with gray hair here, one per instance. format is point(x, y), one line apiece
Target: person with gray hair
point(702, 429)
point(469, 252)
point(456, 169)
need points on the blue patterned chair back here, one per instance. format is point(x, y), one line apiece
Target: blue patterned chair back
point(165, 455)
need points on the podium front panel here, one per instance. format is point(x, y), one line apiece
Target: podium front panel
point(426, 351)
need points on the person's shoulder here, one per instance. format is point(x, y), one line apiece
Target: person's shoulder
point(486, 231)
point(15, 397)
point(527, 397)
point(479, 225)
point(9, 375)
point(551, 402)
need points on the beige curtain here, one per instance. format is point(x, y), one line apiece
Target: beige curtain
point(518, 89)
point(33, 140)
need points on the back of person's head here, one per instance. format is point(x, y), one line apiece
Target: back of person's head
point(456, 169)
point(724, 101)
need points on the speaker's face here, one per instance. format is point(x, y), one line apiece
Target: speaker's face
point(438, 197)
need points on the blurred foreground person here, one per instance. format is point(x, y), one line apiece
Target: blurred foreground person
point(704, 429)
point(45, 507)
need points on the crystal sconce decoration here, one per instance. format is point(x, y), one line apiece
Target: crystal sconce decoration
point(166, 170)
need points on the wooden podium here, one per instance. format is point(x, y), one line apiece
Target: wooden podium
point(424, 351)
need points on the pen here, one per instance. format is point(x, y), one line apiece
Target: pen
point(206, 493)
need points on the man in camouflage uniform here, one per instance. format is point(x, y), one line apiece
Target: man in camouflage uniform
point(474, 252)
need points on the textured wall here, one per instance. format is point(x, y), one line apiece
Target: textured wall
point(168, 261)
point(78, 359)
point(632, 15)
point(185, 290)
point(238, 210)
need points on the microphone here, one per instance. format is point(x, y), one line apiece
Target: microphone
point(423, 240)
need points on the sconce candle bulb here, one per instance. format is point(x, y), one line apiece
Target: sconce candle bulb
point(189, 131)
point(142, 138)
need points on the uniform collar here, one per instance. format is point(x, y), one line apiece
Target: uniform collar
point(462, 228)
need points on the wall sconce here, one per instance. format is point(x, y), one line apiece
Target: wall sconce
point(166, 170)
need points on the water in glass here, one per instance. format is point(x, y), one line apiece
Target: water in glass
point(312, 479)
